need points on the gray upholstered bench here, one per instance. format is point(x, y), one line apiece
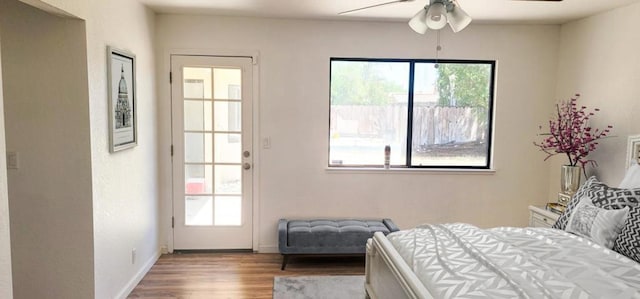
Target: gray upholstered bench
point(328, 237)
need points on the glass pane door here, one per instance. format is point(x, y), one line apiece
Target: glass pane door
point(213, 145)
point(215, 151)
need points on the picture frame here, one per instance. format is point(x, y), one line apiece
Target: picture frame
point(633, 150)
point(123, 118)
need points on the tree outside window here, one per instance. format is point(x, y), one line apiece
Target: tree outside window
point(442, 115)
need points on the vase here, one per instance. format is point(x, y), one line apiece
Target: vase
point(570, 180)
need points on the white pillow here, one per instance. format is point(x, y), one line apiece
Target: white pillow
point(631, 178)
point(599, 225)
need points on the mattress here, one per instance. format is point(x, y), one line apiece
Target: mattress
point(463, 261)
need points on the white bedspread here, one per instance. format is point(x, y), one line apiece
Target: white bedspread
point(463, 261)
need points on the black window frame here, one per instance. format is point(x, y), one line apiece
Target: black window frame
point(412, 63)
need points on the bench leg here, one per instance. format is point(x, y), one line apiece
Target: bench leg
point(285, 258)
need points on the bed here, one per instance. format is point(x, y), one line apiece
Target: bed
point(593, 251)
point(462, 261)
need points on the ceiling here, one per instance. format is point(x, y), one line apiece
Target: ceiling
point(482, 11)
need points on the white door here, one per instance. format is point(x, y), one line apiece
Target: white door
point(211, 101)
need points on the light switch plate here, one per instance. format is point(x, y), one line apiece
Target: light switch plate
point(12, 160)
point(266, 142)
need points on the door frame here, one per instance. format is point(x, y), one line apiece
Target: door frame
point(167, 214)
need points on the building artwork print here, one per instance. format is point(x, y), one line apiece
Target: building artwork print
point(122, 100)
point(123, 111)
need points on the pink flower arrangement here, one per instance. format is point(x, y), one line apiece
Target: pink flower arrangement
point(570, 133)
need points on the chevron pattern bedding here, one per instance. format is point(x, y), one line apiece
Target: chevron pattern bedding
point(628, 242)
point(463, 261)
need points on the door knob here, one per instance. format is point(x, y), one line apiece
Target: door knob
point(246, 154)
point(246, 166)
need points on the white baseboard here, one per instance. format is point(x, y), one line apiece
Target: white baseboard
point(138, 277)
point(268, 249)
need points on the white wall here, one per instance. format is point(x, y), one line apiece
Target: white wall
point(6, 290)
point(123, 209)
point(600, 58)
point(125, 188)
point(70, 8)
point(46, 122)
point(294, 106)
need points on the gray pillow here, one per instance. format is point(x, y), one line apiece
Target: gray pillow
point(628, 242)
point(599, 225)
point(602, 196)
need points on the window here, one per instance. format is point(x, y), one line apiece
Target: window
point(432, 114)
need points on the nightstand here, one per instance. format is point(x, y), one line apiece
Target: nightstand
point(541, 217)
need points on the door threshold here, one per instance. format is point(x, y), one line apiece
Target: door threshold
point(186, 251)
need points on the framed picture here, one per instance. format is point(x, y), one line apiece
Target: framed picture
point(633, 150)
point(123, 127)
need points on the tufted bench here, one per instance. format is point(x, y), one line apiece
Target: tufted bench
point(324, 236)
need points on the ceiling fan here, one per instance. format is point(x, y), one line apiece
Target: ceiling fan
point(435, 15)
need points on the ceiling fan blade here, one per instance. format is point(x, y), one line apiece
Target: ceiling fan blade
point(372, 6)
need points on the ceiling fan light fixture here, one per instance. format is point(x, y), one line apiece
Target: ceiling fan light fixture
point(458, 19)
point(437, 16)
point(419, 22)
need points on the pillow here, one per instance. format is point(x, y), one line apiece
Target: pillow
point(602, 196)
point(561, 223)
point(628, 242)
point(632, 177)
point(599, 225)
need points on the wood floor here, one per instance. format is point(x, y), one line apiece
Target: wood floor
point(232, 275)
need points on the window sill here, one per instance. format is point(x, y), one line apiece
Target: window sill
point(408, 170)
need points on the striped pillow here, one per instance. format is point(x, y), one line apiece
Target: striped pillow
point(602, 196)
point(599, 225)
point(628, 242)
